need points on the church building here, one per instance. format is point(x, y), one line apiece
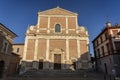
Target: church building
point(56, 42)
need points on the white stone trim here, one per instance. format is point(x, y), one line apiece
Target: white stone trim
point(56, 16)
point(38, 24)
point(88, 42)
point(60, 28)
point(57, 8)
point(25, 48)
point(57, 37)
point(38, 31)
point(78, 48)
point(42, 28)
point(67, 49)
point(28, 60)
point(36, 49)
point(48, 31)
point(66, 25)
point(53, 29)
point(47, 49)
point(71, 29)
point(76, 24)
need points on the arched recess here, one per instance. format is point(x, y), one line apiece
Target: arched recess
point(57, 28)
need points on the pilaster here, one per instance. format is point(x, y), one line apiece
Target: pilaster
point(78, 47)
point(36, 49)
point(66, 25)
point(67, 49)
point(47, 49)
point(25, 48)
point(38, 23)
point(48, 29)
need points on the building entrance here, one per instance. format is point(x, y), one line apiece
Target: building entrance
point(74, 65)
point(1, 68)
point(41, 64)
point(57, 61)
point(105, 65)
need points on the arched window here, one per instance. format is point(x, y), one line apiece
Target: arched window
point(57, 28)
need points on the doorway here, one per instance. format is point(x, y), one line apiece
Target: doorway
point(57, 61)
point(74, 65)
point(41, 64)
point(105, 65)
point(1, 68)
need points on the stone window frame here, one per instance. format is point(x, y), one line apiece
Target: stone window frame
point(18, 50)
point(60, 28)
point(5, 46)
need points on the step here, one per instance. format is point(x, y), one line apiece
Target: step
point(55, 79)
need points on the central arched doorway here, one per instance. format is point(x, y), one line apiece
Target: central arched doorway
point(1, 68)
point(57, 58)
point(57, 61)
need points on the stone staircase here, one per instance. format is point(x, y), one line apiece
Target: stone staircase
point(58, 75)
point(51, 73)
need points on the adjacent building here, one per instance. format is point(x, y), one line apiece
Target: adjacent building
point(107, 49)
point(18, 49)
point(56, 42)
point(9, 61)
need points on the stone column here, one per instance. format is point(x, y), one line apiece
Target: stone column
point(48, 30)
point(36, 49)
point(78, 47)
point(67, 54)
point(67, 49)
point(76, 24)
point(46, 62)
point(47, 49)
point(35, 62)
point(78, 64)
point(38, 23)
point(66, 25)
point(25, 49)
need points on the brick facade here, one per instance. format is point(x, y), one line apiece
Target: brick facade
point(43, 42)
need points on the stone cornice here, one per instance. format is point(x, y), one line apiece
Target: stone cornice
point(7, 31)
point(56, 37)
point(45, 34)
point(52, 12)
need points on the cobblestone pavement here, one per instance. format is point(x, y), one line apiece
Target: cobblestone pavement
point(59, 75)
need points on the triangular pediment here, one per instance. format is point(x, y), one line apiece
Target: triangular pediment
point(57, 11)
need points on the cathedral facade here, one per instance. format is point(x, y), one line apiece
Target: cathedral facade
point(56, 42)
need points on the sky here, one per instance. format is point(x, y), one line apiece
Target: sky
point(17, 15)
